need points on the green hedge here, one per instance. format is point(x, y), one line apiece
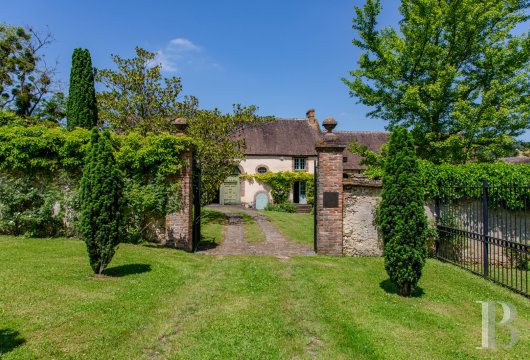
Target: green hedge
point(44, 149)
point(467, 177)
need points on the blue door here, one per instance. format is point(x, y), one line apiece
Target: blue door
point(261, 201)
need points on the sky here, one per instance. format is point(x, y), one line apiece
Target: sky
point(283, 56)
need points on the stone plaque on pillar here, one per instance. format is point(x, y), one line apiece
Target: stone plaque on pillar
point(331, 200)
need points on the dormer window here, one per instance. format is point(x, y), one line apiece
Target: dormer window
point(299, 164)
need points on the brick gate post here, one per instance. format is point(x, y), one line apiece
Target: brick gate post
point(329, 192)
point(179, 224)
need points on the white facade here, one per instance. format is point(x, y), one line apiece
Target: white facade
point(250, 165)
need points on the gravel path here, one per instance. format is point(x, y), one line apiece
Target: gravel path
point(275, 243)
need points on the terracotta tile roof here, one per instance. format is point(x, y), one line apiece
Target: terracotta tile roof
point(288, 137)
point(374, 140)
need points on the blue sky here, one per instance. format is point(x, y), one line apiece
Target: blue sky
point(283, 56)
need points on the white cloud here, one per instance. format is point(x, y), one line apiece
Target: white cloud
point(180, 51)
point(168, 64)
point(182, 44)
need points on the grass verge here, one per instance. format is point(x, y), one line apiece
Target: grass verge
point(251, 229)
point(296, 227)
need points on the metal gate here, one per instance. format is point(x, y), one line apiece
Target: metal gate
point(486, 230)
point(196, 225)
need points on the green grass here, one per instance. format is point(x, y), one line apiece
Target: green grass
point(159, 303)
point(251, 229)
point(212, 228)
point(295, 227)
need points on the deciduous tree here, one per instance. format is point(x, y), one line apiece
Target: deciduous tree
point(454, 73)
point(139, 98)
point(219, 145)
point(25, 78)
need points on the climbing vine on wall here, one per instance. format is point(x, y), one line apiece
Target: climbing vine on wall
point(282, 182)
point(47, 163)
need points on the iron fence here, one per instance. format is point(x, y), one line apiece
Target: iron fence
point(486, 230)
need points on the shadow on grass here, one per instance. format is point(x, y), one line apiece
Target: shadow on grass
point(207, 243)
point(390, 288)
point(129, 269)
point(9, 340)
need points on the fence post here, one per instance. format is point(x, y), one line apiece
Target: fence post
point(437, 223)
point(315, 192)
point(485, 226)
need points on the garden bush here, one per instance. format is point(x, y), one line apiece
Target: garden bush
point(102, 203)
point(401, 216)
point(282, 207)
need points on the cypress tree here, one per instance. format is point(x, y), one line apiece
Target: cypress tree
point(401, 215)
point(81, 108)
point(101, 202)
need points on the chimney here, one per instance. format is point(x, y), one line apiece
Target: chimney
point(310, 116)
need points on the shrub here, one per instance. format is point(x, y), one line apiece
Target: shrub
point(282, 207)
point(29, 207)
point(401, 216)
point(101, 202)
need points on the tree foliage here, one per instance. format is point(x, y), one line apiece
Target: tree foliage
point(453, 73)
point(137, 97)
point(25, 78)
point(102, 220)
point(219, 145)
point(81, 107)
point(401, 216)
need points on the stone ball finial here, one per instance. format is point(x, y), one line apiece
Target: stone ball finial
point(329, 124)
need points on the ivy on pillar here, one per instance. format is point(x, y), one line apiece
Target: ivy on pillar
point(329, 192)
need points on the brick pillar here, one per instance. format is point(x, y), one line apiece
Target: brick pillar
point(179, 225)
point(329, 192)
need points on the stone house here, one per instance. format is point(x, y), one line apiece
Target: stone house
point(287, 145)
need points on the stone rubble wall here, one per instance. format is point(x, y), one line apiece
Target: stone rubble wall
point(361, 196)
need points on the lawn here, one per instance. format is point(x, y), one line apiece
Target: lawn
point(295, 227)
point(158, 303)
point(212, 228)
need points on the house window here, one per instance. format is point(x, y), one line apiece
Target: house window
point(299, 164)
point(262, 170)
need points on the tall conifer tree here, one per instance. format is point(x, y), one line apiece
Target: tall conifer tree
point(401, 215)
point(101, 202)
point(81, 108)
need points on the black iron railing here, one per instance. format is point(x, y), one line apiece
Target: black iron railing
point(486, 230)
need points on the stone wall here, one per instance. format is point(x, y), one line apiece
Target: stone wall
point(361, 198)
point(178, 226)
point(360, 236)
